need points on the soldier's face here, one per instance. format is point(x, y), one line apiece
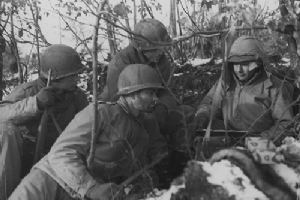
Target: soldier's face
point(145, 100)
point(244, 70)
point(153, 54)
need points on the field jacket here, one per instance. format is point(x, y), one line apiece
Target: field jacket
point(20, 107)
point(262, 106)
point(123, 145)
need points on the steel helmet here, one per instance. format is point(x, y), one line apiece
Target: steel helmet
point(62, 60)
point(136, 77)
point(151, 29)
point(244, 49)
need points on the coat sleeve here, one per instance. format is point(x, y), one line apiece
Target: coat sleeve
point(204, 109)
point(158, 144)
point(282, 113)
point(68, 155)
point(16, 95)
point(20, 111)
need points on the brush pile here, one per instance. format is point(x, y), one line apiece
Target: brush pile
point(235, 174)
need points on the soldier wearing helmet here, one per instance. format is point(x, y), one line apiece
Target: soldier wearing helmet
point(125, 141)
point(150, 38)
point(22, 110)
point(145, 48)
point(248, 99)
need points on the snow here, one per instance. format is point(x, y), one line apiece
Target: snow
point(227, 175)
point(288, 175)
point(222, 173)
point(199, 61)
point(166, 194)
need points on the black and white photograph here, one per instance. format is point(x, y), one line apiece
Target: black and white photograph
point(149, 99)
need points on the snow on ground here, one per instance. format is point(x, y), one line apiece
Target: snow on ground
point(225, 174)
point(165, 194)
point(288, 174)
point(199, 61)
point(231, 178)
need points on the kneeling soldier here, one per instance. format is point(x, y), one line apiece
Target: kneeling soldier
point(125, 141)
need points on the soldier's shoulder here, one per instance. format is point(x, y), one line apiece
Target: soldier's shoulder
point(278, 82)
point(79, 92)
point(22, 91)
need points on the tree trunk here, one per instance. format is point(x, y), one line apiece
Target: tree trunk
point(134, 12)
point(95, 85)
point(36, 22)
point(142, 8)
point(110, 34)
point(194, 11)
point(15, 46)
point(35, 16)
point(173, 31)
point(2, 49)
point(128, 24)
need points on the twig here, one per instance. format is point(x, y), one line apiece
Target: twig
point(88, 6)
point(166, 86)
point(141, 171)
point(148, 9)
point(187, 13)
point(90, 157)
point(77, 36)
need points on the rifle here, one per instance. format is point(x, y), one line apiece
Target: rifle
point(137, 174)
point(219, 139)
point(42, 130)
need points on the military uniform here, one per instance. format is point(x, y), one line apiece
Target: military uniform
point(131, 55)
point(124, 143)
point(20, 114)
point(19, 117)
point(170, 115)
point(260, 105)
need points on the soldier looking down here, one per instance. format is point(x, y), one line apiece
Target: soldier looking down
point(148, 46)
point(125, 141)
point(22, 110)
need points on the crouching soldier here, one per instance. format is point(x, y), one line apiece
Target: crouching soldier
point(250, 99)
point(124, 143)
point(148, 46)
point(22, 110)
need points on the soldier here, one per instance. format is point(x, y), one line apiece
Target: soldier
point(21, 112)
point(249, 99)
point(124, 143)
point(148, 47)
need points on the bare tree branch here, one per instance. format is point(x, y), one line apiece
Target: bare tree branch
point(190, 17)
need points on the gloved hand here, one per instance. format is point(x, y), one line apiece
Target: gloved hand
point(47, 97)
point(105, 191)
point(199, 122)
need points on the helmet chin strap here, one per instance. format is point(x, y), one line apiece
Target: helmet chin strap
point(254, 73)
point(252, 66)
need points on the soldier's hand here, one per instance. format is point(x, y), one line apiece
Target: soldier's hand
point(47, 97)
point(105, 191)
point(199, 122)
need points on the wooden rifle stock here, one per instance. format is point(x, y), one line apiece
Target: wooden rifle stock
point(42, 130)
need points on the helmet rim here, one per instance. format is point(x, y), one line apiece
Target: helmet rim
point(131, 89)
